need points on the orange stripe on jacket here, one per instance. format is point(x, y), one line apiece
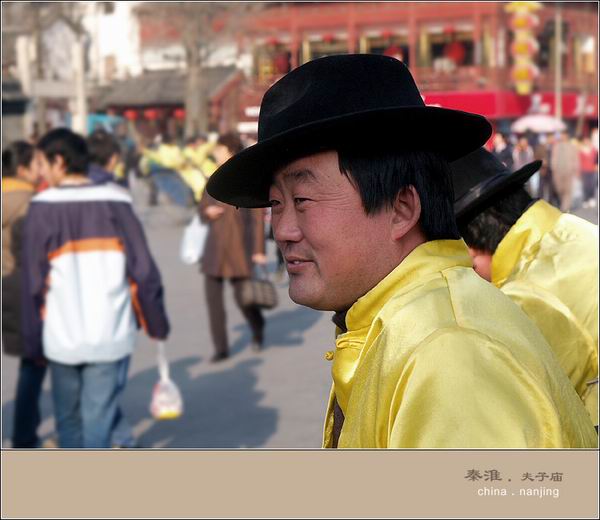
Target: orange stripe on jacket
point(87, 245)
point(136, 305)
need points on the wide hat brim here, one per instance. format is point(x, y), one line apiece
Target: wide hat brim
point(245, 179)
point(487, 192)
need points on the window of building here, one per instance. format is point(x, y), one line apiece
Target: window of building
point(271, 60)
point(326, 47)
point(396, 46)
point(584, 48)
point(546, 55)
point(446, 50)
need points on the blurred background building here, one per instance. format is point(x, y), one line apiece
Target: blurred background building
point(185, 68)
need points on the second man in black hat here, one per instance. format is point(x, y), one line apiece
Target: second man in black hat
point(544, 260)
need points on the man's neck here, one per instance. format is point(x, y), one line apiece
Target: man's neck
point(74, 179)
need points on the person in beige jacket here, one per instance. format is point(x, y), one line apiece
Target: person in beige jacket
point(19, 179)
point(565, 167)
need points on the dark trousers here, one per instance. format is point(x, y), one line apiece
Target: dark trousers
point(547, 191)
point(216, 312)
point(27, 408)
point(590, 182)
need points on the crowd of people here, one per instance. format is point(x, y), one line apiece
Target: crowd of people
point(78, 278)
point(568, 162)
point(464, 294)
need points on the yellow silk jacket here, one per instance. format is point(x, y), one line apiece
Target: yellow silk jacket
point(436, 357)
point(548, 264)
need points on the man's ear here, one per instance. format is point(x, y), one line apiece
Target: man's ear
point(60, 163)
point(406, 212)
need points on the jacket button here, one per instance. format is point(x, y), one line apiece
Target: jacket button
point(329, 355)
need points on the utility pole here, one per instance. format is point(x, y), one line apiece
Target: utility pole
point(558, 62)
point(40, 101)
point(79, 122)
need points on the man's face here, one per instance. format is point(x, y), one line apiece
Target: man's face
point(221, 154)
point(329, 243)
point(482, 263)
point(52, 172)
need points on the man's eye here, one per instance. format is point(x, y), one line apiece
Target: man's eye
point(274, 203)
point(300, 200)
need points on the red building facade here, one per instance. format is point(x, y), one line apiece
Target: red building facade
point(459, 53)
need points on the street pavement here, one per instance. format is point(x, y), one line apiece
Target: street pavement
point(272, 399)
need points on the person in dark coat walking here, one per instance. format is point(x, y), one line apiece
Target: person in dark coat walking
point(235, 242)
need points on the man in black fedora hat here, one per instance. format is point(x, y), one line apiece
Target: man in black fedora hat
point(544, 260)
point(355, 169)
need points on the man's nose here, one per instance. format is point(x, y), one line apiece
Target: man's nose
point(285, 226)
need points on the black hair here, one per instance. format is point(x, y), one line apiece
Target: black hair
point(69, 145)
point(167, 138)
point(485, 230)
point(232, 142)
point(102, 146)
point(380, 175)
point(18, 153)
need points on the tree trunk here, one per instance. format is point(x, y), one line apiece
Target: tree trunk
point(195, 99)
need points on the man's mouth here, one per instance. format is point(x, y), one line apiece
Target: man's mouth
point(294, 264)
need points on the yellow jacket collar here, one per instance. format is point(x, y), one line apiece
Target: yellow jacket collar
point(12, 184)
point(533, 224)
point(426, 259)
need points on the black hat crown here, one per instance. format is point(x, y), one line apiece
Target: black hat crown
point(335, 86)
point(480, 178)
point(353, 99)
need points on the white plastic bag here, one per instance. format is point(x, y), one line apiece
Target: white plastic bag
point(192, 241)
point(166, 399)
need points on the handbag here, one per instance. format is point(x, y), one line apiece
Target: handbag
point(258, 291)
point(193, 240)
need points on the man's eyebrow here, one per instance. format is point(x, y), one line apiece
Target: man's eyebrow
point(302, 175)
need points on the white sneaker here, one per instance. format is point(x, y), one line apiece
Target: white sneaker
point(585, 205)
point(592, 203)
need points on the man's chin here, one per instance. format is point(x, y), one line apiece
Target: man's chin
point(310, 299)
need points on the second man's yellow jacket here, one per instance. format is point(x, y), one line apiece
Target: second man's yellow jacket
point(548, 264)
point(436, 357)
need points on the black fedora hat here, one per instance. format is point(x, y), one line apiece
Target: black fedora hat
point(480, 179)
point(338, 100)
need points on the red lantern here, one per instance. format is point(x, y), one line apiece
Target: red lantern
point(449, 29)
point(524, 21)
point(526, 72)
point(151, 114)
point(179, 113)
point(130, 115)
point(218, 25)
point(328, 38)
point(394, 51)
point(387, 34)
point(456, 52)
point(272, 41)
point(526, 47)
